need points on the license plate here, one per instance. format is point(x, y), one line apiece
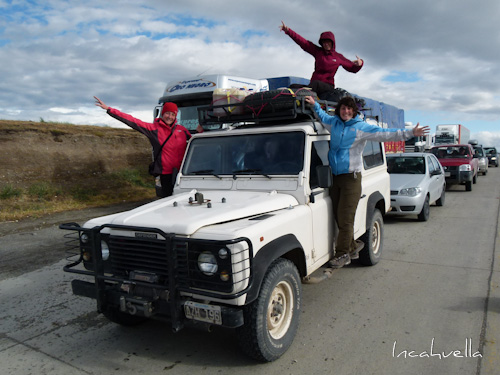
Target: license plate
point(203, 312)
point(447, 174)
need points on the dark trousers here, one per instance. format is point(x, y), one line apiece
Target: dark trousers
point(167, 185)
point(345, 193)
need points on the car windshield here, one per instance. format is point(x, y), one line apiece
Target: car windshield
point(450, 152)
point(255, 154)
point(479, 151)
point(490, 150)
point(406, 165)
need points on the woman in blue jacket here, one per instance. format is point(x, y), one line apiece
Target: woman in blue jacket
point(348, 137)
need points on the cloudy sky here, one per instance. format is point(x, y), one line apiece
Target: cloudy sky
point(437, 60)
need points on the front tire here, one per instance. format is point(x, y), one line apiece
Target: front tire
point(440, 201)
point(271, 321)
point(425, 213)
point(468, 185)
point(373, 240)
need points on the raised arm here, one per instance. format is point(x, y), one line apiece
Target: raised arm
point(100, 103)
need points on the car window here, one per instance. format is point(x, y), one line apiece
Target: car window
point(372, 155)
point(450, 152)
point(479, 151)
point(406, 164)
point(435, 163)
point(270, 153)
point(319, 156)
point(432, 166)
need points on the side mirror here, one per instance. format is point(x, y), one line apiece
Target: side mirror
point(325, 178)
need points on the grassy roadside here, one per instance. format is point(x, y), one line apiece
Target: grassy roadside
point(42, 198)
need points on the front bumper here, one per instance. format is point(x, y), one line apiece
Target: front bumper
point(454, 176)
point(156, 277)
point(405, 205)
point(156, 304)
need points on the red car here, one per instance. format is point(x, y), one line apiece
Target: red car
point(459, 163)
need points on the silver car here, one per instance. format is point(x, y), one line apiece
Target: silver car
point(483, 159)
point(417, 181)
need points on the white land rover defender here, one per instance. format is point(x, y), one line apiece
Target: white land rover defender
point(249, 221)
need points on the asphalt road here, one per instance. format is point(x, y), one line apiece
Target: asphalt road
point(431, 306)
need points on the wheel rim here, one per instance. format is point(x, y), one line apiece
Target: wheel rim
point(280, 310)
point(376, 237)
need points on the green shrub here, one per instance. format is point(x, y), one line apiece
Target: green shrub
point(8, 191)
point(134, 177)
point(83, 194)
point(42, 190)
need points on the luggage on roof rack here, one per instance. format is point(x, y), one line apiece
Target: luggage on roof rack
point(281, 104)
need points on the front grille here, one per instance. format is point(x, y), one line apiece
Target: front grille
point(147, 255)
point(394, 192)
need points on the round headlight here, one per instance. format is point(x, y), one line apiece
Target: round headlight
point(104, 250)
point(207, 263)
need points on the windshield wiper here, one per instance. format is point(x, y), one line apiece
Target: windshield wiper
point(250, 171)
point(206, 172)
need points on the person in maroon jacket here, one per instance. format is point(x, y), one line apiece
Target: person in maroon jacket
point(163, 128)
point(327, 59)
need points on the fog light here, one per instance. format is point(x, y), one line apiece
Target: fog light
point(224, 276)
point(223, 253)
point(84, 238)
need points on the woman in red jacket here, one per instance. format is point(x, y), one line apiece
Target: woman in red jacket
point(164, 128)
point(327, 60)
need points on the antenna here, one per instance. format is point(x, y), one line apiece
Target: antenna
point(205, 71)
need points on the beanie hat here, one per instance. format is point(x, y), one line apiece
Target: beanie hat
point(169, 107)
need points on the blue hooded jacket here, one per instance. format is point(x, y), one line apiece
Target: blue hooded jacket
point(348, 140)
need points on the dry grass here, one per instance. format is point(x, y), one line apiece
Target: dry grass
point(48, 167)
point(42, 199)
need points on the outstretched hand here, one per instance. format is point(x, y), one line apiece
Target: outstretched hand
point(283, 27)
point(100, 103)
point(358, 61)
point(418, 132)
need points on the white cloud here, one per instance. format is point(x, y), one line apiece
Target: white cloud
point(57, 54)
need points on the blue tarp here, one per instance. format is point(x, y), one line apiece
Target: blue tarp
point(386, 115)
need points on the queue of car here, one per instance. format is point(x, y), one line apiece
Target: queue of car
point(419, 179)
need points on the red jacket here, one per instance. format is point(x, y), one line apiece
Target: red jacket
point(326, 63)
point(157, 132)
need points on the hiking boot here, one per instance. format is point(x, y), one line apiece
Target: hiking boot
point(340, 261)
point(359, 246)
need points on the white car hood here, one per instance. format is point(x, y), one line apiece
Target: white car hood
point(401, 181)
point(183, 218)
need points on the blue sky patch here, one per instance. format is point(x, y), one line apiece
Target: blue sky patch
point(402, 77)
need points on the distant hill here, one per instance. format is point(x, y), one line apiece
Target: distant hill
point(52, 167)
point(40, 151)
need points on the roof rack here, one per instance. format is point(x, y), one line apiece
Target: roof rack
point(260, 112)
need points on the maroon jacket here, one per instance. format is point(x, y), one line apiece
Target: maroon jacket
point(157, 132)
point(326, 63)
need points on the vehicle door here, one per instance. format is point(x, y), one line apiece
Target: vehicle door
point(323, 222)
point(436, 178)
